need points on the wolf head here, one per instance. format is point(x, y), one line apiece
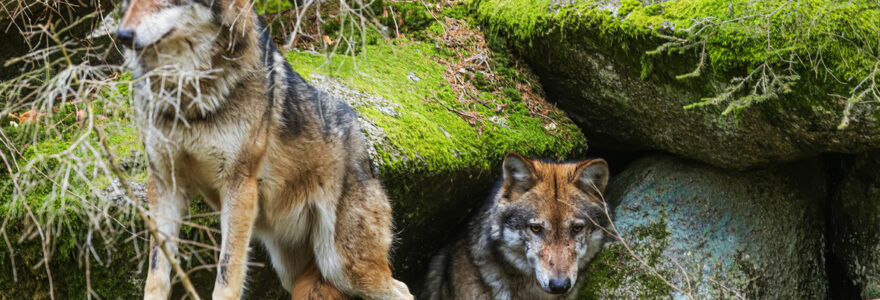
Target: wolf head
point(200, 49)
point(150, 22)
point(551, 218)
point(183, 30)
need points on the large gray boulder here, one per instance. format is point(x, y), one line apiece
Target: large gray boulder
point(713, 233)
point(855, 223)
point(592, 61)
point(607, 98)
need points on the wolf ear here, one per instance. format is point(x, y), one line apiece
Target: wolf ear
point(517, 172)
point(592, 176)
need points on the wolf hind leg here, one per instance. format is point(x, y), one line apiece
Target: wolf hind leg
point(287, 260)
point(310, 285)
point(352, 240)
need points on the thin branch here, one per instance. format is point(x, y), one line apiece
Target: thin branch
point(151, 224)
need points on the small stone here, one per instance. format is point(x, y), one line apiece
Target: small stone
point(412, 76)
point(500, 121)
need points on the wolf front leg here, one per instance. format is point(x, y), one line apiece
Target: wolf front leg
point(239, 210)
point(166, 209)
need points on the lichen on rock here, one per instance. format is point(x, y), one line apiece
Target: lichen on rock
point(707, 232)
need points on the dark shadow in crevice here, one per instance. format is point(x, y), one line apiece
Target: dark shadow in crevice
point(840, 286)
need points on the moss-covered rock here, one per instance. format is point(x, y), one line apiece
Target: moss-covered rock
point(437, 152)
point(596, 59)
point(713, 233)
point(855, 223)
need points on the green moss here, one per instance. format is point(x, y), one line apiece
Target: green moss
point(628, 6)
point(615, 273)
point(872, 291)
point(601, 275)
point(653, 9)
point(790, 37)
point(735, 44)
point(271, 6)
point(51, 144)
point(408, 18)
point(114, 276)
point(455, 11)
point(428, 133)
point(658, 234)
point(437, 165)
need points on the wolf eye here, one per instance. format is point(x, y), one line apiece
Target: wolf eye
point(535, 228)
point(577, 228)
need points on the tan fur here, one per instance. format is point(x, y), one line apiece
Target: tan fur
point(140, 9)
point(528, 235)
point(311, 286)
point(156, 285)
point(282, 162)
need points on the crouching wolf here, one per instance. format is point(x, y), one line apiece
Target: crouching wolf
point(222, 115)
point(539, 229)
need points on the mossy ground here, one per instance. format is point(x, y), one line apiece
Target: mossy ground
point(429, 133)
point(113, 272)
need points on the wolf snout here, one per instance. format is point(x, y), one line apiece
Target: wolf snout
point(125, 36)
point(559, 285)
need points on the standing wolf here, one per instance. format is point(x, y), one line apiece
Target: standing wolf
point(222, 115)
point(539, 229)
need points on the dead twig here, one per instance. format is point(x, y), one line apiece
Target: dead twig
point(151, 225)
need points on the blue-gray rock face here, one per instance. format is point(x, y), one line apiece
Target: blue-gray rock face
point(713, 233)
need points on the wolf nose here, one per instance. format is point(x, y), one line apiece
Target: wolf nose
point(560, 285)
point(125, 36)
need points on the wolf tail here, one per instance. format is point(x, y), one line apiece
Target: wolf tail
point(310, 285)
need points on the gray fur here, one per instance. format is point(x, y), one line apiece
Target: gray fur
point(494, 259)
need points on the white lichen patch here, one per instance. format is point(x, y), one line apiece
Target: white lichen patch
point(500, 121)
point(359, 100)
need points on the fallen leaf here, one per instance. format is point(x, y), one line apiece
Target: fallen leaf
point(29, 116)
point(80, 115)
